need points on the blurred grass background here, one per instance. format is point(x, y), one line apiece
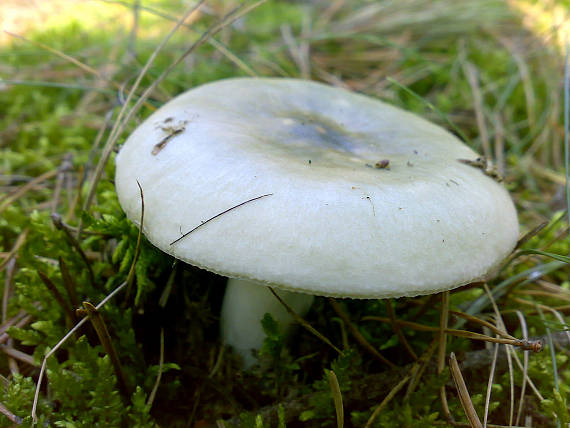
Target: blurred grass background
point(494, 69)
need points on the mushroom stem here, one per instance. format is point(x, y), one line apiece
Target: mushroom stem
point(245, 304)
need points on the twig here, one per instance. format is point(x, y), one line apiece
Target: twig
point(8, 290)
point(499, 144)
point(198, 391)
point(131, 274)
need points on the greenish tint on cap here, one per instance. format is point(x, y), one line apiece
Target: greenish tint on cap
point(367, 200)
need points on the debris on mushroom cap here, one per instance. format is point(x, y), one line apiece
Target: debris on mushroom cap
point(332, 226)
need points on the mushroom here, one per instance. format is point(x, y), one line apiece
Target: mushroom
point(313, 190)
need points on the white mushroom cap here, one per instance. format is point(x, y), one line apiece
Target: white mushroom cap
point(334, 224)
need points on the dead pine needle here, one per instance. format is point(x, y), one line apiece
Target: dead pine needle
point(484, 323)
point(419, 368)
point(304, 323)
point(58, 223)
point(20, 241)
point(67, 308)
point(463, 392)
point(398, 330)
point(160, 369)
point(184, 235)
point(509, 350)
point(123, 118)
point(524, 330)
point(60, 343)
point(105, 338)
point(19, 355)
point(490, 383)
point(120, 123)
point(19, 321)
point(131, 274)
point(443, 320)
point(525, 344)
point(16, 420)
point(84, 320)
point(386, 400)
point(337, 398)
point(68, 283)
point(8, 199)
point(358, 336)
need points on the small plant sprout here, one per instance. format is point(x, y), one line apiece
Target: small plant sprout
point(314, 234)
